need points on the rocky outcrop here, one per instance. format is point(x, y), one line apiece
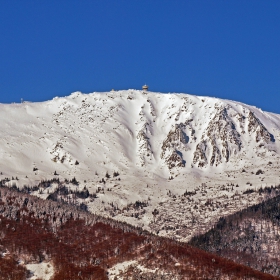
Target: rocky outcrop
point(219, 141)
point(144, 146)
point(175, 142)
point(175, 160)
point(222, 138)
point(261, 133)
point(200, 154)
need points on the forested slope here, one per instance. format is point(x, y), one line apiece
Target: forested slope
point(80, 245)
point(251, 236)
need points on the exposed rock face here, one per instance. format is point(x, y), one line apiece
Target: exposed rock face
point(175, 160)
point(144, 146)
point(222, 138)
point(261, 132)
point(200, 154)
point(175, 141)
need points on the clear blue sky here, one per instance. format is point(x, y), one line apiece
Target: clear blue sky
point(226, 49)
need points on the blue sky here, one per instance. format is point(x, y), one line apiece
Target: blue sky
point(226, 49)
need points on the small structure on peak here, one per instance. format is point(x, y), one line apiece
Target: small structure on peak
point(145, 87)
point(112, 90)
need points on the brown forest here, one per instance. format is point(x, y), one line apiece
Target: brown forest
point(81, 245)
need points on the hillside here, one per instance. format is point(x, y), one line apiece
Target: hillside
point(250, 237)
point(170, 163)
point(71, 244)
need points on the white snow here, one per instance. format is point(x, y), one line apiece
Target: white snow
point(118, 268)
point(124, 131)
point(116, 271)
point(42, 271)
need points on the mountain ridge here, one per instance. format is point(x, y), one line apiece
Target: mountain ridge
point(162, 146)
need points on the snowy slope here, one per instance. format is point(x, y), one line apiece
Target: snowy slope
point(162, 145)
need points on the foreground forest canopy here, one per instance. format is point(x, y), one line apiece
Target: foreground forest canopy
point(80, 245)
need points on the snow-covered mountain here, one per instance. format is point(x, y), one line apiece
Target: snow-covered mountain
point(173, 152)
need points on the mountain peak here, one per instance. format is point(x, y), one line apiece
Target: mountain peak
point(160, 144)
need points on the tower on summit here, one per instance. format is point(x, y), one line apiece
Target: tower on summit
point(145, 87)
